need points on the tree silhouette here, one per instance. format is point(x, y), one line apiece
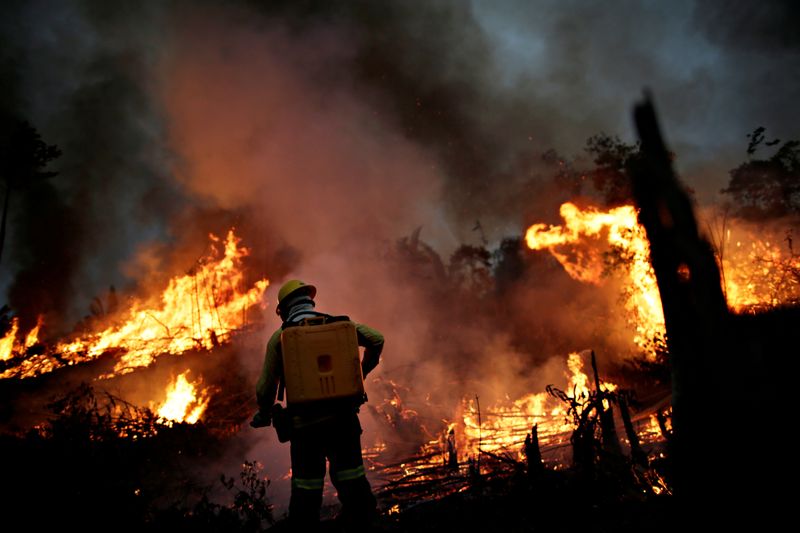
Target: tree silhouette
point(612, 158)
point(23, 157)
point(607, 178)
point(767, 188)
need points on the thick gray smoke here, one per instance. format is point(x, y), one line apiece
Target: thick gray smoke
point(82, 72)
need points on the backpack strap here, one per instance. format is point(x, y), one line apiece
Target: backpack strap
point(319, 318)
point(281, 388)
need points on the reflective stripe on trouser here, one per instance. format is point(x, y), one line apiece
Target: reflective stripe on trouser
point(307, 483)
point(348, 474)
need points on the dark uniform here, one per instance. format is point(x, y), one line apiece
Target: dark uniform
point(326, 429)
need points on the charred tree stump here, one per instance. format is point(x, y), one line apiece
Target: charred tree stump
point(608, 429)
point(452, 452)
point(533, 454)
point(637, 454)
point(584, 446)
point(474, 472)
point(711, 354)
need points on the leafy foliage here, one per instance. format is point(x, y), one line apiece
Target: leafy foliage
point(470, 269)
point(607, 177)
point(23, 156)
point(611, 157)
point(770, 187)
point(23, 153)
point(250, 499)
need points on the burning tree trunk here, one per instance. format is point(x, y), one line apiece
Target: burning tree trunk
point(694, 306)
point(710, 356)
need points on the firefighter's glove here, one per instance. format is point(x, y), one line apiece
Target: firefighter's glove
point(261, 419)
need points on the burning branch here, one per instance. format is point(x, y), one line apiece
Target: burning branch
point(180, 312)
point(589, 408)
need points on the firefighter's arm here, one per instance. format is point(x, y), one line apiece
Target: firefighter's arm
point(372, 341)
point(267, 386)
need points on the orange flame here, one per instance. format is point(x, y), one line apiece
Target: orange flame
point(185, 401)
point(198, 310)
point(33, 335)
point(652, 430)
point(503, 427)
point(579, 245)
point(10, 346)
point(8, 342)
point(759, 273)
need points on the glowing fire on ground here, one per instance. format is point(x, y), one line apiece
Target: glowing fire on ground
point(197, 310)
point(503, 428)
point(759, 274)
point(580, 246)
point(185, 402)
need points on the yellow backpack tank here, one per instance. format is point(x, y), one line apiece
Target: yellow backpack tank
point(321, 361)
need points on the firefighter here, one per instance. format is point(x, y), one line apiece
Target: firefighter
point(324, 429)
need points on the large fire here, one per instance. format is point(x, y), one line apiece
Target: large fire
point(197, 310)
point(756, 273)
point(185, 401)
point(580, 246)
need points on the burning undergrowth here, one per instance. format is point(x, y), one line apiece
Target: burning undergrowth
point(407, 429)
